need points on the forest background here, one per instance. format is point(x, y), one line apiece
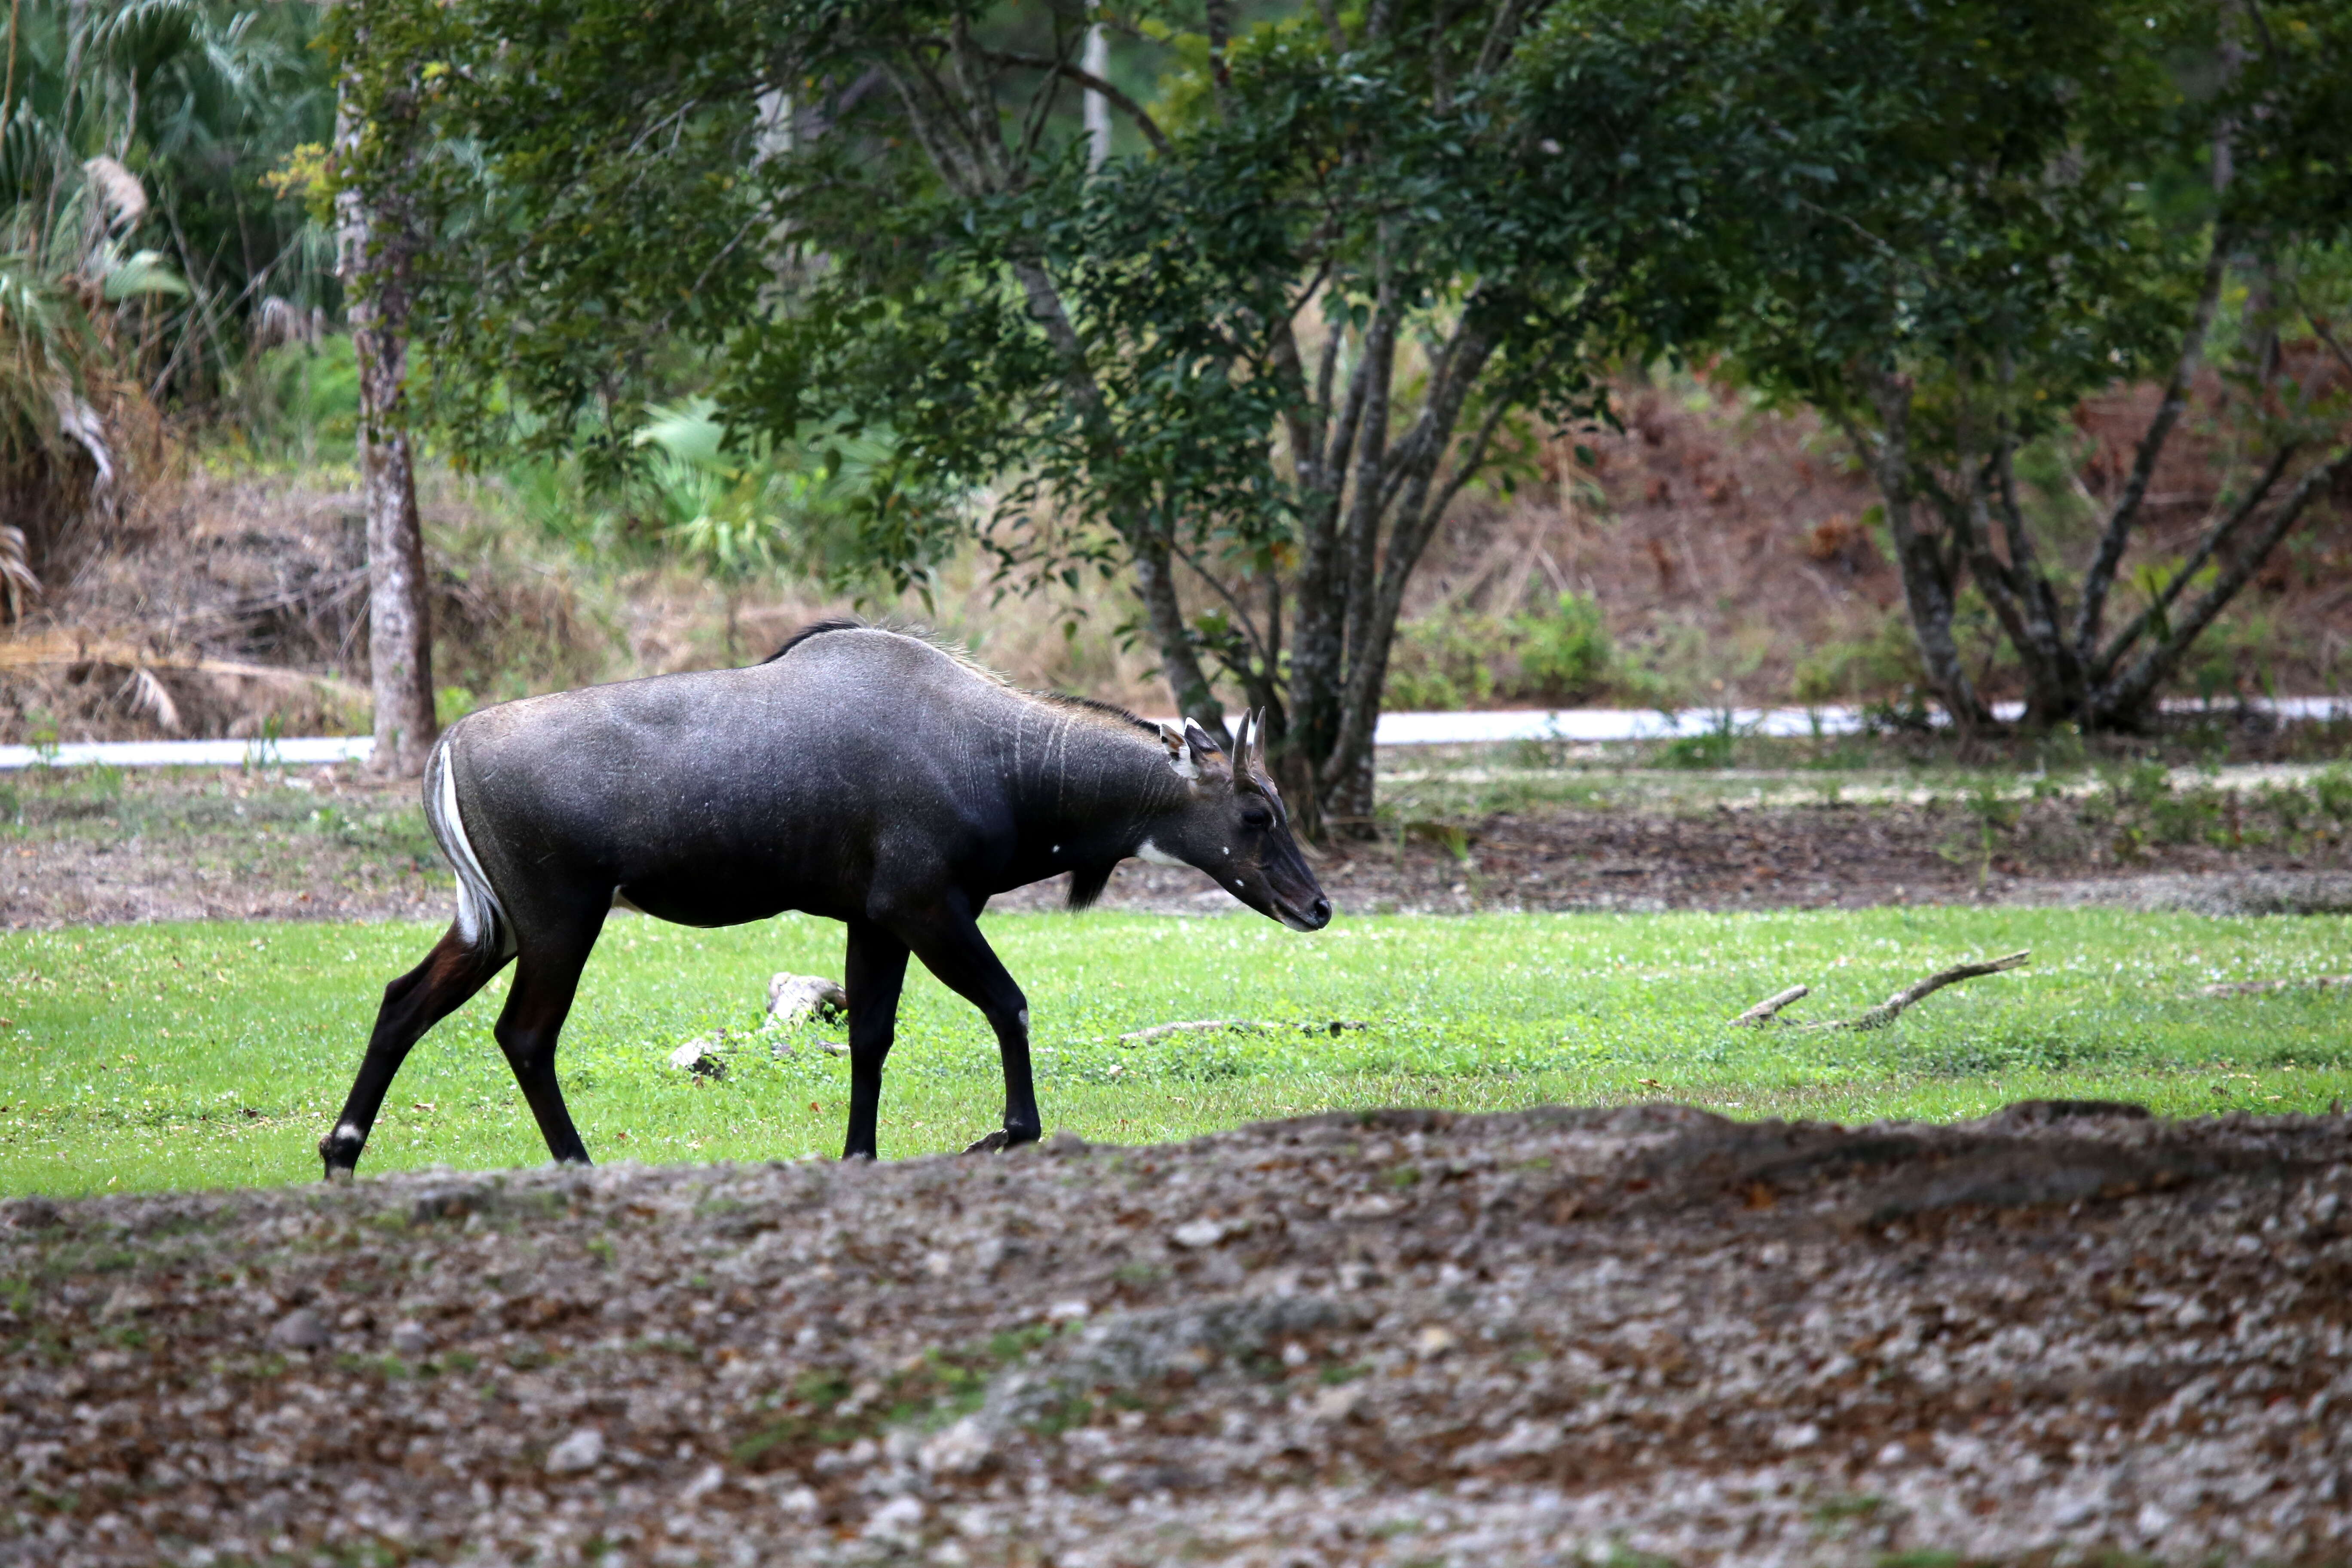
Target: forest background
point(1320, 359)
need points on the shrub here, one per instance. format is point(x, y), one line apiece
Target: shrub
point(1564, 651)
point(1882, 664)
point(1459, 659)
point(1443, 662)
point(1712, 748)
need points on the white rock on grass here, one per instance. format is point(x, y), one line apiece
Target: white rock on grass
point(700, 1056)
point(957, 1450)
point(583, 1451)
point(792, 997)
point(710, 1479)
point(1198, 1234)
point(897, 1522)
point(302, 1329)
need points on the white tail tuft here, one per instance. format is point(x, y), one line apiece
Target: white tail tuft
point(481, 919)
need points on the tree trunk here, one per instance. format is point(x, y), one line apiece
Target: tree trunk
point(377, 242)
point(1927, 587)
point(1188, 683)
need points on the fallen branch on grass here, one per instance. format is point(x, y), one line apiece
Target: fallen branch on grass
point(1761, 1013)
point(2257, 987)
point(1209, 1025)
point(1887, 1012)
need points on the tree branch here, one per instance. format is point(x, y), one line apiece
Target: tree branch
point(1360, 534)
point(1441, 83)
point(2326, 336)
point(1887, 1012)
point(1756, 1017)
point(1501, 37)
point(2133, 691)
point(957, 172)
point(1249, 627)
point(2215, 538)
point(1473, 458)
point(1425, 444)
point(1092, 83)
point(1040, 106)
point(1373, 632)
point(1219, 18)
point(2101, 576)
point(1971, 528)
point(1298, 416)
point(1927, 577)
point(1331, 26)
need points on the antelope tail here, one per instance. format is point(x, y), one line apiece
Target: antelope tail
point(482, 921)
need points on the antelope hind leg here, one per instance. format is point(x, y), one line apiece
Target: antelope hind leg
point(413, 1004)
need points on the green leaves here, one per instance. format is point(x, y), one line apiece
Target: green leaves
point(143, 274)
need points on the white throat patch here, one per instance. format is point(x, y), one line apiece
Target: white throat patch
point(1147, 850)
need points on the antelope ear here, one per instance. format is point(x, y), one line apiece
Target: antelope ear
point(1179, 760)
point(1207, 755)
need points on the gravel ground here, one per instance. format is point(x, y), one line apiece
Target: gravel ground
point(1397, 1338)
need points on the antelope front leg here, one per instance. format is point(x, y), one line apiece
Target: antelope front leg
point(953, 949)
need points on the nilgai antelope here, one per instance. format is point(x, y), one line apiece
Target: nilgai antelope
point(859, 773)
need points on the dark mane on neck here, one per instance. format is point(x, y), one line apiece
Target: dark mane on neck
point(817, 630)
point(1111, 711)
point(1108, 712)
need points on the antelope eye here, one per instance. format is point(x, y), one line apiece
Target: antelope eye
point(1257, 817)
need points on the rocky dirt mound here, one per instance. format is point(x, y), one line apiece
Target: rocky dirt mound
point(1548, 1336)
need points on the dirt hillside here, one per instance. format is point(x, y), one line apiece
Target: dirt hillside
point(1730, 550)
point(1400, 1337)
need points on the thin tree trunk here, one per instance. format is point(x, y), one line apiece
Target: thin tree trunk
point(1155, 583)
point(376, 246)
point(1319, 640)
point(1926, 584)
point(2125, 701)
point(2056, 671)
point(2089, 615)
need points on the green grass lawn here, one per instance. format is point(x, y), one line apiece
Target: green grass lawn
point(210, 1055)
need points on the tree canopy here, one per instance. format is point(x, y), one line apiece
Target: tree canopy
point(1993, 210)
point(1347, 259)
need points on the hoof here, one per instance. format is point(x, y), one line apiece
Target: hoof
point(341, 1175)
point(340, 1150)
point(994, 1143)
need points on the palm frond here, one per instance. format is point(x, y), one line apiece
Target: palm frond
point(143, 274)
point(125, 199)
point(17, 582)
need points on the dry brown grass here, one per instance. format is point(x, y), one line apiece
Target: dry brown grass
point(1726, 546)
point(231, 603)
